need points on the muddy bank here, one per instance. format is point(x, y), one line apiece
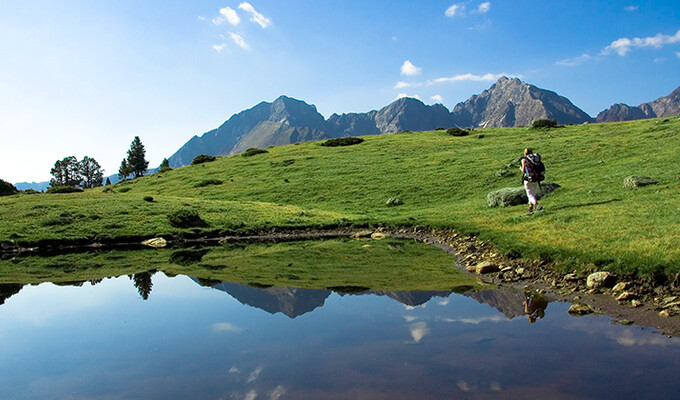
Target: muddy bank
point(630, 299)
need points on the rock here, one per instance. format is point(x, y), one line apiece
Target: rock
point(506, 269)
point(625, 296)
point(367, 246)
point(486, 267)
point(362, 235)
point(600, 279)
point(519, 271)
point(636, 303)
point(517, 195)
point(670, 299)
point(637, 181)
point(155, 242)
point(570, 277)
point(619, 287)
point(580, 309)
point(471, 268)
point(394, 201)
point(378, 236)
point(664, 313)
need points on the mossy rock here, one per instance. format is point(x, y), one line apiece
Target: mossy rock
point(637, 181)
point(186, 219)
point(517, 195)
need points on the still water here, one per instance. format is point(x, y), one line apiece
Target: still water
point(211, 340)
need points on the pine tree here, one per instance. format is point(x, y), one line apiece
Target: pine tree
point(91, 172)
point(66, 172)
point(108, 181)
point(136, 158)
point(124, 169)
point(165, 166)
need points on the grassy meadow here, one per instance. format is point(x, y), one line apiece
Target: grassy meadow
point(442, 180)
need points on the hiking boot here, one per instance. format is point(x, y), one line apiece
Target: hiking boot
point(539, 207)
point(531, 210)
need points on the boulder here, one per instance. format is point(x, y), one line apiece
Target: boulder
point(600, 279)
point(580, 309)
point(517, 195)
point(637, 181)
point(362, 235)
point(486, 267)
point(155, 242)
point(619, 287)
point(378, 236)
point(394, 201)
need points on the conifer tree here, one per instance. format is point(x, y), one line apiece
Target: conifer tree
point(136, 160)
point(91, 172)
point(124, 169)
point(66, 172)
point(165, 166)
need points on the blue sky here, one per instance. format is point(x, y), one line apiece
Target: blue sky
point(84, 77)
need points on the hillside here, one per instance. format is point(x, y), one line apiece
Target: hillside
point(442, 180)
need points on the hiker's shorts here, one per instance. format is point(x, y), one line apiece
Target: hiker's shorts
point(531, 188)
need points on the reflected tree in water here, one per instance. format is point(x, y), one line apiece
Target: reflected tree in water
point(143, 283)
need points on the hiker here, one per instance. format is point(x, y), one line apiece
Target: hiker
point(535, 305)
point(532, 175)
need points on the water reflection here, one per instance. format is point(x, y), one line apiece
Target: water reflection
point(187, 340)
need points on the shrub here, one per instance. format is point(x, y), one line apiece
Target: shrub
point(440, 129)
point(30, 191)
point(165, 166)
point(346, 141)
point(253, 151)
point(457, 132)
point(208, 182)
point(7, 188)
point(544, 124)
point(202, 158)
point(64, 189)
point(124, 189)
point(186, 219)
point(148, 198)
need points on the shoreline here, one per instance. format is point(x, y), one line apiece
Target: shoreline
point(644, 303)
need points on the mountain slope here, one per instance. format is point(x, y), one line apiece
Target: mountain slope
point(665, 106)
point(511, 102)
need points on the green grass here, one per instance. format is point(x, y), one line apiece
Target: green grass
point(442, 180)
point(387, 265)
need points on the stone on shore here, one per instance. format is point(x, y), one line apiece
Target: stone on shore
point(155, 242)
point(580, 309)
point(600, 279)
point(486, 267)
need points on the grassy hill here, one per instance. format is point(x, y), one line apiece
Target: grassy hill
point(442, 180)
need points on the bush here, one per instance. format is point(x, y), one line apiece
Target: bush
point(346, 141)
point(208, 182)
point(253, 151)
point(124, 189)
point(7, 188)
point(148, 198)
point(186, 219)
point(30, 191)
point(165, 166)
point(544, 124)
point(457, 132)
point(202, 158)
point(64, 189)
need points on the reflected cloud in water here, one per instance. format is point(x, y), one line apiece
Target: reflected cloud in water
point(226, 327)
point(475, 321)
point(418, 331)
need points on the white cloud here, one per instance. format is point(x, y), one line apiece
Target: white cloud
point(464, 386)
point(227, 14)
point(409, 69)
point(219, 47)
point(418, 331)
point(277, 393)
point(470, 77)
point(631, 8)
point(484, 7)
point(413, 96)
point(440, 99)
point(255, 16)
point(574, 61)
point(254, 375)
point(410, 318)
point(401, 85)
point(252, 395)
point(624, 45)
point(200, 18)
point(234, 370)
point(239, 40)
point(659, 60)
point(476, 321)
point(678, 54)
point(454, 10)
point(226, 327)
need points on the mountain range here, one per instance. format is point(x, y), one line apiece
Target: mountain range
point(509, 102)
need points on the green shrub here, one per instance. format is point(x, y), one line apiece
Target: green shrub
point(253, 151)
point(208, 182)
point(457, 132)
point(346, 141)
point(440, 129)
point(186, 219)
point(30, 191)
point(124, 189)
point(544, 124)
point(202, 158)
point(7, 188)
point(165, 166)
point(148, 198)
point(64, 189)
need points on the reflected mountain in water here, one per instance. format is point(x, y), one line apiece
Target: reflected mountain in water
point(509, 301)
point(8, 290)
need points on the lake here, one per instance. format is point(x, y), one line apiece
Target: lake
point(154, 336)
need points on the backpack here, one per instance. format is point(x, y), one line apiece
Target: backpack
point(534, 170)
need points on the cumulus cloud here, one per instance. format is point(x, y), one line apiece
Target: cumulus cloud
point(469, 77)
point(624, 45)
point(238, 39)
point(454, 10)
point(574, 61)
point(409, 69)
point(418, 331)
point(631, 8)
point(219, 47)
point(484, 7)
point(413, 96)
point(254, 15)
point(227, 14)
point(440, 99)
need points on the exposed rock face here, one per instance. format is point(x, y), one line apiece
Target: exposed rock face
point(662, 107)
point(511, 102)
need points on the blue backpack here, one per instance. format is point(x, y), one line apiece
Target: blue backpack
point(534, 170)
